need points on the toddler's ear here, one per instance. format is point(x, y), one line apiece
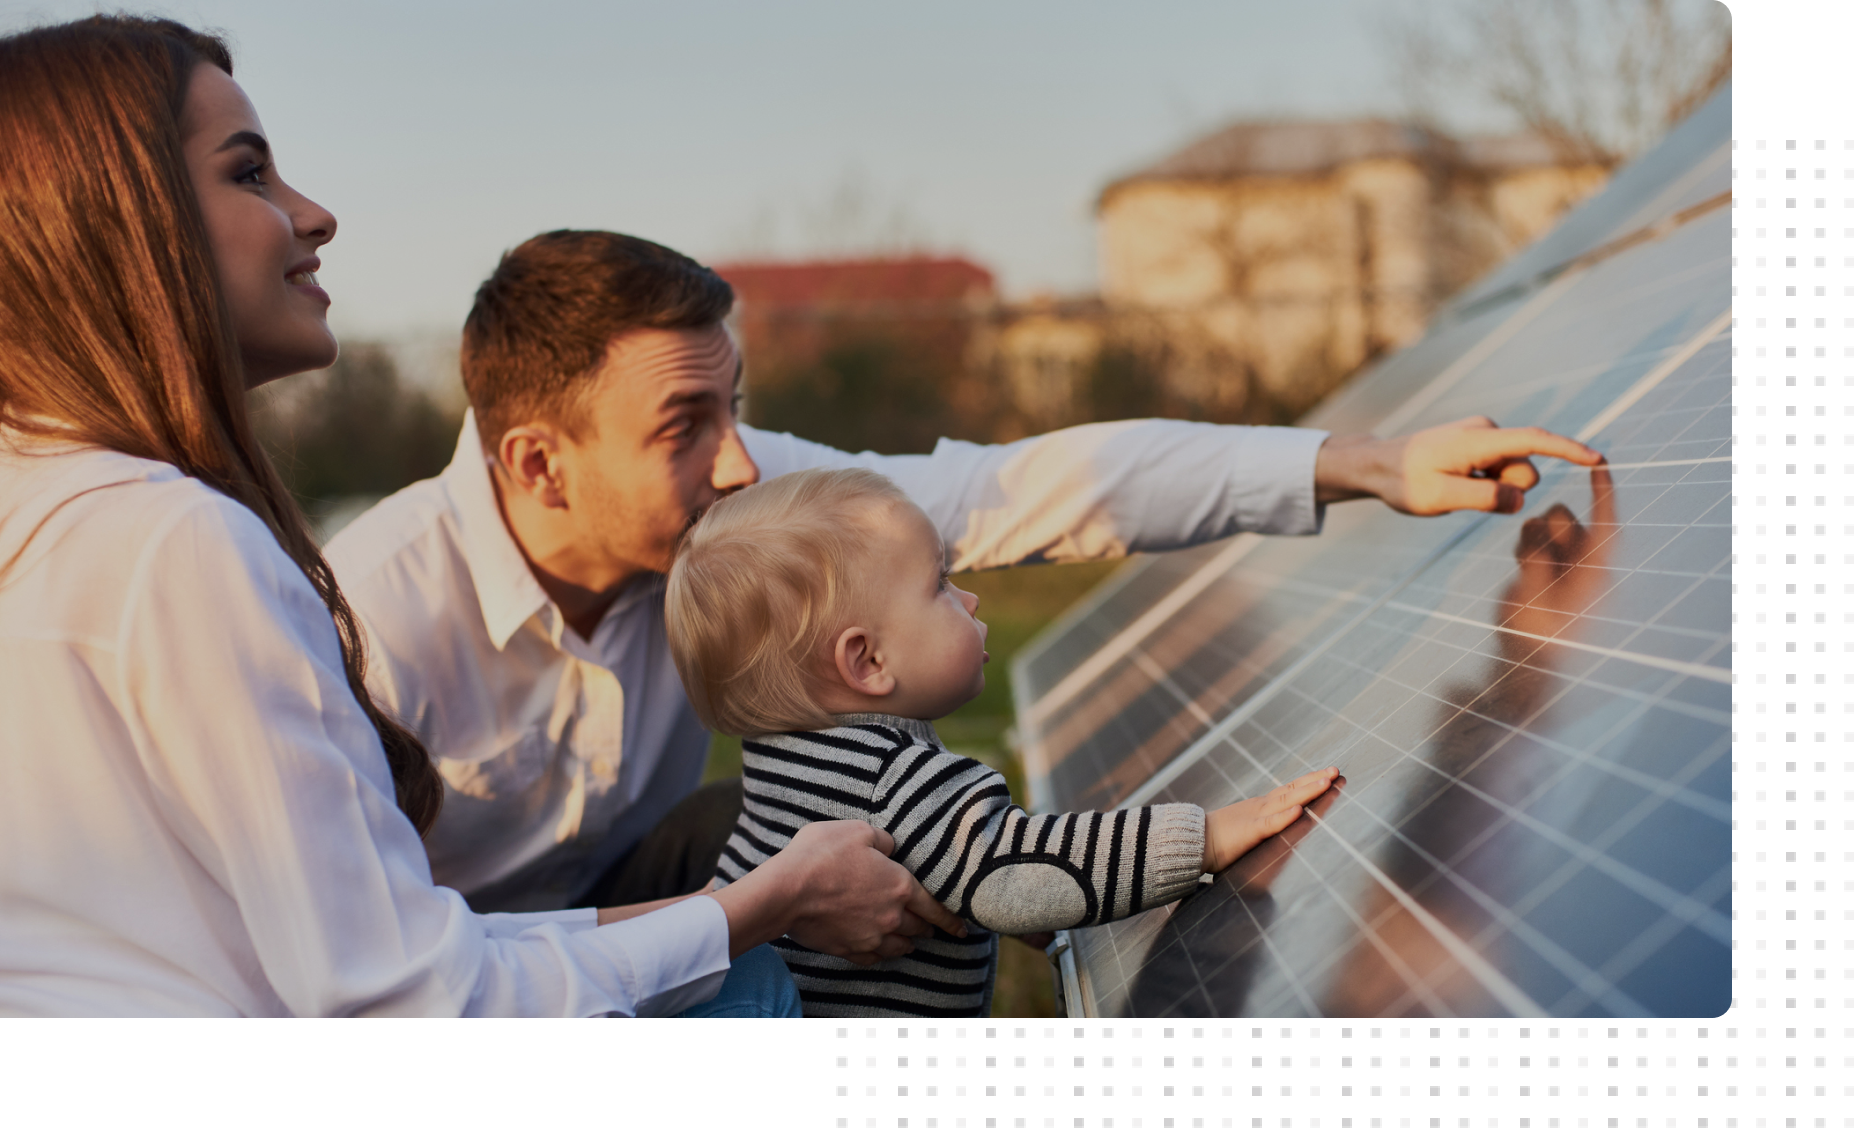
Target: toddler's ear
point(857, 661)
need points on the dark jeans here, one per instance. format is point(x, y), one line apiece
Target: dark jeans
point(677, 856)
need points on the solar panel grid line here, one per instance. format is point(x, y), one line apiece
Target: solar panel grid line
point(1710, 808)
point(1659, 794)
point(1658, 934)
point(1584, 977)
point(1721, 675)
point(1655, 231)
point(1630, 627)
point(1406, 413)
point(1163, 678)
point(1510, 394)
point(1517, 1002)
point(1518, 731)
point(1651, 889)
point(1170, 770)
point(1116, 648)
point(1289, 973)
point(1421, 990)
point(1619, 466)
point(1657, 375)
point(1078, 612)
point(1242, 669)
point(1714, 168)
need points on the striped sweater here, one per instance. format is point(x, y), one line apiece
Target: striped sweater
point(955, 828)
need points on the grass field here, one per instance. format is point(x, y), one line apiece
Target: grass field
point(1016, 604)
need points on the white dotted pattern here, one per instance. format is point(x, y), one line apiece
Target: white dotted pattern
point(1784, 1057)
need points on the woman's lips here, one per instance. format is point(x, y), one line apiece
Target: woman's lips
point(305, 281)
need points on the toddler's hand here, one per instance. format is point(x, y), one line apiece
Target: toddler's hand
point(1231, 832)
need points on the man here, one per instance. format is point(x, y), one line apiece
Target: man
point(513, 604)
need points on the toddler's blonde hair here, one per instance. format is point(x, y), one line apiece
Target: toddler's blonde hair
point(756, 590)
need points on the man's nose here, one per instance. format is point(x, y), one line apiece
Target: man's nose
point(733, 469)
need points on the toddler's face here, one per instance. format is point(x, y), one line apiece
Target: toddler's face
point(928, 631)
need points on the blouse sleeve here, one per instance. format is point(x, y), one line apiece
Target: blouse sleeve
point(268, 771)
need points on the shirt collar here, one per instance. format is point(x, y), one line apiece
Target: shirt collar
point(508, 593)
point(918, 729)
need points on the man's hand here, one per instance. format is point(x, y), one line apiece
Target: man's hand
point(1470, 464)
point(835, 890)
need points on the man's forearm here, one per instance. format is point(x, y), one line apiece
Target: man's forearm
point(1354, 466)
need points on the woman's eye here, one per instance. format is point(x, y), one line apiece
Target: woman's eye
point(253, 175)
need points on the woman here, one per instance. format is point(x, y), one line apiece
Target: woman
point(201, 809)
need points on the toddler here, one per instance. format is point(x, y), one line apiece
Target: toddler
point(812, 615)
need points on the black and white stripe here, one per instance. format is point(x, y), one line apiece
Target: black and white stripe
point(955, 828)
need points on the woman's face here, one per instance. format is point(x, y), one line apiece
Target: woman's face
point(264, 234)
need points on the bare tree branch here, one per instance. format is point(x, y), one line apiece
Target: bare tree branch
point(1600, 79)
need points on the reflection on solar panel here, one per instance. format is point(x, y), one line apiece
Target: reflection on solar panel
point(1531, 712)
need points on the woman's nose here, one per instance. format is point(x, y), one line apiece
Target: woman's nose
point(313, 222)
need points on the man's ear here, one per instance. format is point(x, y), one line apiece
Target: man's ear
point(531, 457)
point(858, 663)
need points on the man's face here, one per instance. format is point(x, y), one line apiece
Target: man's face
point(660, 444)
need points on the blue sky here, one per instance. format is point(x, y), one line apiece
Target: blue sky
point(442, 134)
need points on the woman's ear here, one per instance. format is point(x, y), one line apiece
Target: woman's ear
point(857, 662)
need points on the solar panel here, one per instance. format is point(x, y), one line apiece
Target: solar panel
point(1531, 712)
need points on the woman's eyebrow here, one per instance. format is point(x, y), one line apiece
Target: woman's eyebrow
point(246, 138)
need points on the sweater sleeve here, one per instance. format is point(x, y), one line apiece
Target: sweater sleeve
point(955, 828)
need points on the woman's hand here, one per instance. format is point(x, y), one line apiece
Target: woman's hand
point(834, 889)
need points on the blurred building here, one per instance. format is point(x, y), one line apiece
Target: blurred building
point(873, 352)
point(1246, 275)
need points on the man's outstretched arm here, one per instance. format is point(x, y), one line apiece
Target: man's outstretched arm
point(1108, 489)
point(1470, 464)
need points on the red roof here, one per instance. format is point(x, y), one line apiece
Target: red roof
point(889, 281)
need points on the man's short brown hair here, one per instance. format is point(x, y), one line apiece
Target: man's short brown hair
point(541, 324)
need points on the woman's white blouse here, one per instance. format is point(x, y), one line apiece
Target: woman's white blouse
point(196, 817)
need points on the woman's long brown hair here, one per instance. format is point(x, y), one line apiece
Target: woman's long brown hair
point(112, 322)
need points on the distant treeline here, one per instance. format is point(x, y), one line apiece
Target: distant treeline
point(356, 430)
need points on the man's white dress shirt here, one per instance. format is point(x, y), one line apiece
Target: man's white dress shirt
point(196, 817)
point(560, 754)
